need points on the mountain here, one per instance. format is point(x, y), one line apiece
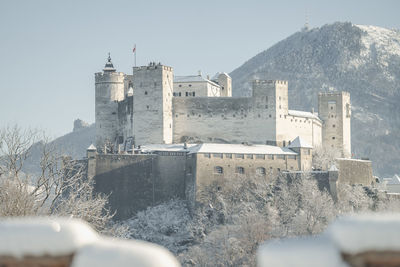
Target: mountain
point(363, 60)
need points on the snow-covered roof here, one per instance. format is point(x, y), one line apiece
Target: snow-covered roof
point(191, 79)
point(91, 148)
point(215, 77)
point(299, 142)
point(43, 236)
point(394, 180)
point(303, 114)
point(310, 252)
point(165, 147)
point(241, 149)
point(123, 253)
point(367, 232)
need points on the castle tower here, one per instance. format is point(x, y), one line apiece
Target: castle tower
point(334, 109)
point(271, 97)
point(109, 86)
point(152, 104)
point(225, 81)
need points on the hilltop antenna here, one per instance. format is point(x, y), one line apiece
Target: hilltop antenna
point(306, 24)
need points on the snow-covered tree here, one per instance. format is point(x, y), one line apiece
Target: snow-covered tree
point(61, 188)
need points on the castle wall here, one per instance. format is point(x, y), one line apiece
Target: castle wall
point(135, 182)
point(354, 171)
point(126, 119)
point(203, 173)
point(152, 104)
point(289, 127)
point(234, 120)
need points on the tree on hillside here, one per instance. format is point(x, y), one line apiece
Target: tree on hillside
point(61, 188)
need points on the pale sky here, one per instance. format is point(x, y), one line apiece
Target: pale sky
point(50, 50)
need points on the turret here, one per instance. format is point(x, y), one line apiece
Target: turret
point(334, 109)
point(109, 86)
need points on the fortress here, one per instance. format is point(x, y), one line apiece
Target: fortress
point(160, 136)
point(154, 107)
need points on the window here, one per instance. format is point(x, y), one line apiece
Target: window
point(240, 170)
point(207, 155)
point(280, 156)
point(180, 85)
point(187, 93)
point(260, 171)
point(190, 85)
point(260, 156)
point(155, 83)
point(190, 170)
point(193, 94)
point(284, 143)
point(279, 169)
point(266, 106)
point(145, 92)
point(239, 156)
point(228, 156)
point(333, 125)
point(217, 155)
point(270, 115)
point(331, 108)
point(249, 156)
point(218, 170)
point(292, 157)
point(180, 94)
point(333, 138)
point(270, 157)
point(174, 94)
point(148, 106)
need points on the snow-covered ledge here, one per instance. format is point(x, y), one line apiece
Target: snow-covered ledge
point(62, 242)
point(362, 240)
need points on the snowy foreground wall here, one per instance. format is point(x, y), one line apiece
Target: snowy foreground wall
point(359, 241)
point(50, 242)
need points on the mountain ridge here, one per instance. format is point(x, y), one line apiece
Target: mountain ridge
point(363, 60)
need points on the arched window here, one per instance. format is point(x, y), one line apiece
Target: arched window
point(260, 171)
point(218, 170)
point(240, 170)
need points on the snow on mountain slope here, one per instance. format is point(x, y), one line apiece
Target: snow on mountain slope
point(363, 60)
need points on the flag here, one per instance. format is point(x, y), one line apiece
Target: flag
point(134, 49)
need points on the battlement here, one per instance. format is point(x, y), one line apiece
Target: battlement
point(336, 93)
point(270, 82)
point(108, 76)
point(152, 66)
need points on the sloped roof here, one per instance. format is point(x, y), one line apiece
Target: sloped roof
point(191, 79)
point(299, 142)
point(303, 114)
point(219, 148)
point(215, 77)
point(241, 149)
point(395, 180)
point(91, 148)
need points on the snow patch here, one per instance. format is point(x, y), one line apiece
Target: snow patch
point(43, 236)
point(299, 252)
point(124, 253)
point(378, 232)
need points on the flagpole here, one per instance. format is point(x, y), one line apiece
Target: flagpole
point(135, 55)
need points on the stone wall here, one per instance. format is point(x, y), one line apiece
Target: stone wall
point(135, 182)
point(354, 171)
point(225, 119)
point(203, 169)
